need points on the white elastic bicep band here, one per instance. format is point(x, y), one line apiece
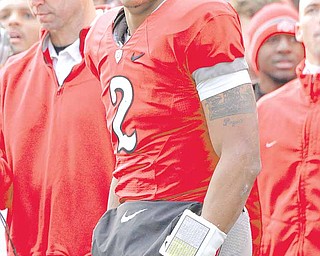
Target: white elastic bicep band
point(213, 86)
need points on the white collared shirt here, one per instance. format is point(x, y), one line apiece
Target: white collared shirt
point(65, 60)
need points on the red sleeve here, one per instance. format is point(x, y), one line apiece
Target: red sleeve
point(254, 209)
point(219, 40)
point(93, 40)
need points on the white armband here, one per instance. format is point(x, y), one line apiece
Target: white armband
point(193, 236)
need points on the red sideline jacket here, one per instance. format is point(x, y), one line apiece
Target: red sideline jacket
point(55, 148)
point(289, 188)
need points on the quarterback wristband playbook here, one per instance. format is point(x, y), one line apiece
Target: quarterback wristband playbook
point(193, 236)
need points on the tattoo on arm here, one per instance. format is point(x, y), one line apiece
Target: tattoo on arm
point(238, 100)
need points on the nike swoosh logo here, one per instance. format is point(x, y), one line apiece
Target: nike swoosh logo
point(135, 57)
point(126, 218)
point(271, 144)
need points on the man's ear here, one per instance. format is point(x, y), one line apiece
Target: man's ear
point(298, 33)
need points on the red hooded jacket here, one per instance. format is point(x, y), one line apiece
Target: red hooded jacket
point(289, 188)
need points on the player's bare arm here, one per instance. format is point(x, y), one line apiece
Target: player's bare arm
point(232, 122)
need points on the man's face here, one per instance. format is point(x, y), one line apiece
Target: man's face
point(55, 14)
point(279, 56)
point(308, 29)
point(21, 25)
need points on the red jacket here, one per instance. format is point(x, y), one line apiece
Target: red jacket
point(56, 148)
point(289, 187)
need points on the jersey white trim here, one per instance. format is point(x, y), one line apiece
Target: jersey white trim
point(213, 86)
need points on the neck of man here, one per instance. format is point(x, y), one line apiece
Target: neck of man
point(136, 15)
point(269, 83)
point(69, 33)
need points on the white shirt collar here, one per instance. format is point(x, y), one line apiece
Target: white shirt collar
point(73, 51)
point(63, 62)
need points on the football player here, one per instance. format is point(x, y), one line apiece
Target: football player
point(182, 117)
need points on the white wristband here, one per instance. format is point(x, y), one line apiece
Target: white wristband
point(193, 236)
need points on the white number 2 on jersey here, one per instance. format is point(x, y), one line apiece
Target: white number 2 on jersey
point(122, 85)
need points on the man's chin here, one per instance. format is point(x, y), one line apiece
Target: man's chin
point(17, 49)
point(284, 78)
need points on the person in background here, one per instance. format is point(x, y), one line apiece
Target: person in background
point(181, 112)
point(274, 53)
point(246, 10)
point(22, 26)
point(55, 152)
point(23, 29)
point(290, 151)
point(272, 47)
point(8, 8)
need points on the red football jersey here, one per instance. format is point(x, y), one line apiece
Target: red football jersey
point(154, 114)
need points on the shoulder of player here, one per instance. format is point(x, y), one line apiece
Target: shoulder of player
point(99, 26)
point(193, 15)
point(105, 19)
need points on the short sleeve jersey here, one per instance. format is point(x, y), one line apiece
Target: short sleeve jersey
point(154, 114)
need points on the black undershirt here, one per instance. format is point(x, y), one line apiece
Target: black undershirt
point(60, 48)
point(120, 28)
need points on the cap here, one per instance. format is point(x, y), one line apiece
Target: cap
point(272, 19)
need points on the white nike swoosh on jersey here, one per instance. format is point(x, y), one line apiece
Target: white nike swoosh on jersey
point(271, 144)
point(125, 218)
